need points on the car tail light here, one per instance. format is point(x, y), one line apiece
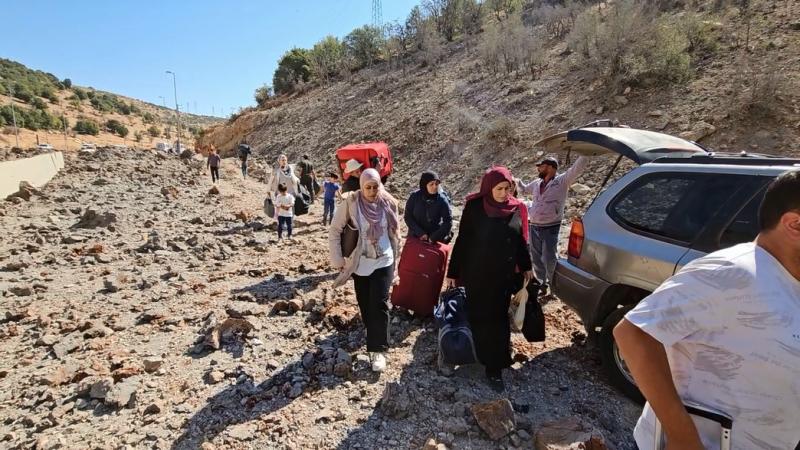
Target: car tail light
point(576, 236)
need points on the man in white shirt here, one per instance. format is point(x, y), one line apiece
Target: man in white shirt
point(724, 332)
point(546, 211)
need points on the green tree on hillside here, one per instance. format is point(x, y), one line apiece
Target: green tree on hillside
point(324, 58)
point(116, 127)
point(153, 131)
point(293, 68)
point(263, 94)
point(364, 45)
point(85, 126)
point(67, 83)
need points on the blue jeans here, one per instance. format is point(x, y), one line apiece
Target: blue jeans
point(284, 221)
point(543, 242)
point(327, 212)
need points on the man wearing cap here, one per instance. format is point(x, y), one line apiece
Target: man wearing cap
point(546, 211)
point(353, 171)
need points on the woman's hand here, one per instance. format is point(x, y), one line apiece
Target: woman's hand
point(528, 276)
point(450, 283)
point(424, 237)
point(395, 280)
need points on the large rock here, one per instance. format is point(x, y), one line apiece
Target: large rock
point(699, 131)
point(569, 434)
point(496, 418)
point(122, 394)
point(93, 219)
point(25, 192)
point(397, 401)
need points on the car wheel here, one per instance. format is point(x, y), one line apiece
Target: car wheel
point(613, 363)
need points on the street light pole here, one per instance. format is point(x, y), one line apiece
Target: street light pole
point(13, 112)
point(177, 111)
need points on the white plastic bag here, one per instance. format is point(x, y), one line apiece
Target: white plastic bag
point(520, 299)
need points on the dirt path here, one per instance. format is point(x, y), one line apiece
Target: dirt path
point(100, 329)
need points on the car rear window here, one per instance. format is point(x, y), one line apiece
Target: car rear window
point(674, 206)
point(744, 227)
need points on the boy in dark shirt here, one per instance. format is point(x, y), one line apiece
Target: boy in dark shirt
point(332, 190)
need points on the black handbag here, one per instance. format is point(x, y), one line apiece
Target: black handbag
point(349, 239)
point(269, 207)
point(533, 325)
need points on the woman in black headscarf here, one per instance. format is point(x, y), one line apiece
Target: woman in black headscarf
point(428, 214)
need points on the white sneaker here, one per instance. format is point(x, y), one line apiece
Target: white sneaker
point(378, 361)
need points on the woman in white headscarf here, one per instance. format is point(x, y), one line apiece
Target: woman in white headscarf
point(283, 174)
point(373, 212)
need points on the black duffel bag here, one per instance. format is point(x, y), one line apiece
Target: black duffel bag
point(301, 201)
point(533, 325)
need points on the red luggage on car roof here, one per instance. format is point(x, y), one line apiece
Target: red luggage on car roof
point(421, 270)
point(374, 155)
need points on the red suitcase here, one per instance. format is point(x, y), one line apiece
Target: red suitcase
point(421, 270)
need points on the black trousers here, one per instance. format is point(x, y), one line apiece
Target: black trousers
point(372, 294)
point(214, 174)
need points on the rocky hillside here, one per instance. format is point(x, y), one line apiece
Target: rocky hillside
point(41, 100)
point(458, 118)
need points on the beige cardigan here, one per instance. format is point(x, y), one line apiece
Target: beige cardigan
point(349, 210)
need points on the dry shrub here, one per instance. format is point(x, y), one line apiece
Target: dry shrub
point(758, 90)
point(557, 19)
point(509, 46)
point(628, 43)
point(501, 131)
point(700, 34)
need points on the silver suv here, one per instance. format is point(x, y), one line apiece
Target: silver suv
point(680, 204)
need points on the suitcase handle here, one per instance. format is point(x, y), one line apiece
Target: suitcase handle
point(724, 421)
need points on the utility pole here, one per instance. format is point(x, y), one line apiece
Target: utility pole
point(13, 112)
point(177, 111)
point(377, 14)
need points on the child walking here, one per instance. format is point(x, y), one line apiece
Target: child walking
point(284, 203)
point(332, 190)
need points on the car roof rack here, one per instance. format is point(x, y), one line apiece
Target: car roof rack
point(730, 158)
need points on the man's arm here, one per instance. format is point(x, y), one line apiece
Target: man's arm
point(647, 361)
point(526, 188)
point(576, 169)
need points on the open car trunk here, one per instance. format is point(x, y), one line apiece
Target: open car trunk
point(640, 146)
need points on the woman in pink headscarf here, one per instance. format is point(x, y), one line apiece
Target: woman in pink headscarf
point(489, 257)
point(373, 212)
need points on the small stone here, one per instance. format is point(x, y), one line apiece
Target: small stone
point(214, 377)
point(570, 432)
point(153, 408)
point(100, 388)
point(621, 100)
point(122, 394)
point(152, 364)
point(655, 113)
point(496, 418)
point(213, 191)
point(207, 446)
point(21, 291)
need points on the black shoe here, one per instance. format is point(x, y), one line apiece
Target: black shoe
point(495, 380)
point(544, 290)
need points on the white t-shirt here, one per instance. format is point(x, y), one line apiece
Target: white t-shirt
point(285, 200)
point(373, 257)
point(730, 323)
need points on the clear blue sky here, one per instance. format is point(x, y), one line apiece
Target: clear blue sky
point(220, 50)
